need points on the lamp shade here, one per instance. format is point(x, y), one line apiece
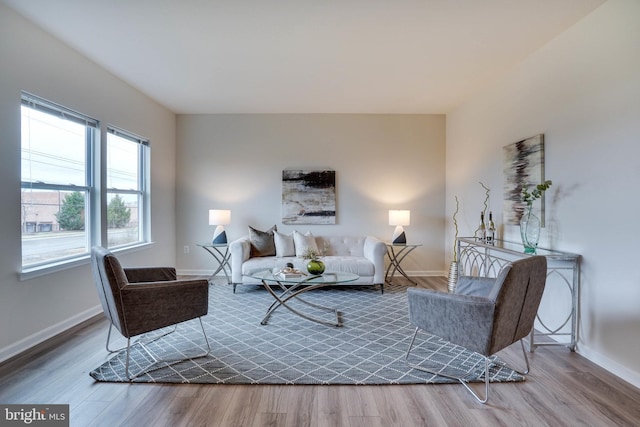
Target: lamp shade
point(219, 217)
point(399, 217)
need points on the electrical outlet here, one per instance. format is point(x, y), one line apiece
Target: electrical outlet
point(186, 249)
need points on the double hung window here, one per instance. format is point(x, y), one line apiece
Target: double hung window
point(63, 190)
point(127, 169)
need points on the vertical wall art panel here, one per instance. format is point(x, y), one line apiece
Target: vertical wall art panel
point(523, 165)
point(308, 196)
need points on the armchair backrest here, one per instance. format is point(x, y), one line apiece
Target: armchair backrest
point(517, 298)
point(109, 277)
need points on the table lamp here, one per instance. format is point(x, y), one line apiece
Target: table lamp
point(399, 218)
point(219, 218)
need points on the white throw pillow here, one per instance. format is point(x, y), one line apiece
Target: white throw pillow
point(304, 242)
point(284, 244)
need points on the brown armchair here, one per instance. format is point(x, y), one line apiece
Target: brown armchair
point(484, 315)
point(141, 300)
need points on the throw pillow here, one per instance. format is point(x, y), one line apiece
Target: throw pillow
point(262, 243)
point(284, 244)
point(304, 242)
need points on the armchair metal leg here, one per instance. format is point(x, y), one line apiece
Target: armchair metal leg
point(526, 360)
point(155, 361)
point(146, 342)
point(463, 381)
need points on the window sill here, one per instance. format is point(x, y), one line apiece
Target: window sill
point(54, 267)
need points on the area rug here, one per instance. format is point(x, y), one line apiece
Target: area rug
point(369, 348)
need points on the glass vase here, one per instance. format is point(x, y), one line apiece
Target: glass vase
point(530, 231)
point(315, 267)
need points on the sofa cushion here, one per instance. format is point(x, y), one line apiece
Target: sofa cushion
point(262, 242)
point(304, 242)
point(284, 244)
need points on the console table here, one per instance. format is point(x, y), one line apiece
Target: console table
point(476, 258)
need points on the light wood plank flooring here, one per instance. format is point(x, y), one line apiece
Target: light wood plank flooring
point(563, 389)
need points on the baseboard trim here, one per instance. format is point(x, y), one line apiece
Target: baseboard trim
point(610, 365)
point(39, 337)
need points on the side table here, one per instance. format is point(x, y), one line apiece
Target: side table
point(220, 252)
point(396, 253)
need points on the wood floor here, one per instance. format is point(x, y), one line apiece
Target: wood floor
point(563, 389)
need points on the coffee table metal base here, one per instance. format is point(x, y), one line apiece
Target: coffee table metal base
point(293, 292)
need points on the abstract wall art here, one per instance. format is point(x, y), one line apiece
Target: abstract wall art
point(308, 196)
point(523, 165)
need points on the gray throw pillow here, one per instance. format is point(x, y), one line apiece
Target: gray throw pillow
point(262, 243)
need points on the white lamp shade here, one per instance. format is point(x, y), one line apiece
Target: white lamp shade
point(219, 217)
point(399, 217)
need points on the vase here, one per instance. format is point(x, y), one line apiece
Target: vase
point(453, 277)
point(530, 231)
point(315, 267)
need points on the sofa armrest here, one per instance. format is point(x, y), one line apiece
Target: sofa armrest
point(375, 250)
point(240, 251)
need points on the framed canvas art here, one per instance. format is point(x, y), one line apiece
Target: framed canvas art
point(308, 196)
point(523, 165)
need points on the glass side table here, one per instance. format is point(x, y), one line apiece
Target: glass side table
point(396, 253)
point(222, 255)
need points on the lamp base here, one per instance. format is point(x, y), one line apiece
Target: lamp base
point(399, 238)
point(219, 236)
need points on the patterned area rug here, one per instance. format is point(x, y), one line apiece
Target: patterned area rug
point(368, 349)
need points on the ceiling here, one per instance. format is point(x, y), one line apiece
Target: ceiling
point(306, 56)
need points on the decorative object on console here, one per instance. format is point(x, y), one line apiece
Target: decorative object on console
point(530, 224)
point(219, 218)
point(308, 197)
point(523, 164)
point(481, 231)
point(453, 267)
point(399, 218)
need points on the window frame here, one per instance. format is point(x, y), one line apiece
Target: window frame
point(94, 189)
point(144, 184)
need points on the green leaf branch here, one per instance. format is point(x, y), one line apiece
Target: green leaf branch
point(529, 197)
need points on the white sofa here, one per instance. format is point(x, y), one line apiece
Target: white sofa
point(363, 256)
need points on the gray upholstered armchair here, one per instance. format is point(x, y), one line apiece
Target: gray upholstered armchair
point(484, 315)
point(140, 300)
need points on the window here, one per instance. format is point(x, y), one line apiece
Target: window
point(126, 187)
point(56, 147)
point(61, 206)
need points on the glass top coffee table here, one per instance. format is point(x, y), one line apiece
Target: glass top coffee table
point(285, 289)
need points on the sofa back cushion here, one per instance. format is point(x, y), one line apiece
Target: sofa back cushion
point(341, 245)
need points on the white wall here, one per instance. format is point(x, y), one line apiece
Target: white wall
point(36, 309)
point(582, 91)
point(382, 162)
